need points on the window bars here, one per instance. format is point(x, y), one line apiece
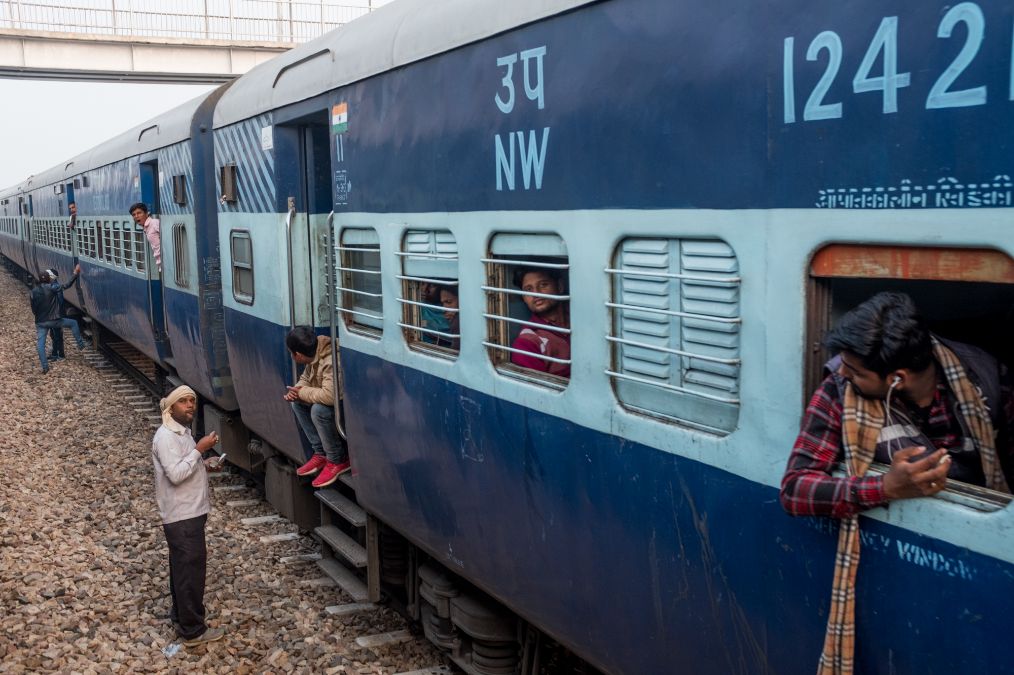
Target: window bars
point(497, 301)
point(676, 329)
point(359, 278)
point(429, 257)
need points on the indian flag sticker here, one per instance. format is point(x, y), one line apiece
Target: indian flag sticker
point(340, 118)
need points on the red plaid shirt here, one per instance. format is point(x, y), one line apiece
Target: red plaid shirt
point(809, 489)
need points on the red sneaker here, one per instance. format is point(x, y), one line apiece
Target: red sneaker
point(330, 474)
point(316, 463)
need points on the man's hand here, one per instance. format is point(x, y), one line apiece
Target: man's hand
point(907, 479)
point(77, 269)
point(213, 464)
point(207, 443)
point(292, 393)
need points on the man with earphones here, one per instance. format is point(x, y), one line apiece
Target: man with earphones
point(930, 409)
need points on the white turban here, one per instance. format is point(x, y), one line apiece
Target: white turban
point(174, 396)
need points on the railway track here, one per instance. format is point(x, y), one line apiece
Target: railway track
point(281, 612)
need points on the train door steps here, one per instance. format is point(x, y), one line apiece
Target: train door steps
point(343, 544)
point(343, 506)
point(344, 578)
point(349, 479)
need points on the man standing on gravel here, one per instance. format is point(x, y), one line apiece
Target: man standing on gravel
point(46, 301)
point(181, 490)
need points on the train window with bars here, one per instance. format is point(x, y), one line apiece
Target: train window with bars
point(117, 244)
point(181, 255)
point(107, 243)
point(429, 291)
point(359, 277)
point(242, 266)
point(128, 246)
point(676, 330)
point(528, 307)
point(140, 249)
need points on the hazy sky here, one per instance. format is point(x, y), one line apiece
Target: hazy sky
point(43, 123)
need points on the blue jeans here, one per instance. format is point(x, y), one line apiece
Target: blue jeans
point(41, 331)
point(56, 334)
point(317, 423)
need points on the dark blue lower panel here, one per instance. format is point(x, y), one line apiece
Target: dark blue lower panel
point(645, 562)
point(193, 357)
point(261, 369)
point(121, 303)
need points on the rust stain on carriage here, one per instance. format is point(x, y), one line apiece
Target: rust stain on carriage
point(913, 262)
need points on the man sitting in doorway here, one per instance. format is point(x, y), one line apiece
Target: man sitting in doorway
point(139, 212)
point(545, 311)
point(313, 402)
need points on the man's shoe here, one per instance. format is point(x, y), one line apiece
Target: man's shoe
point(45, 370)
point(330, 474)
point(54, 357)
point(316, 463)
point(210, 635)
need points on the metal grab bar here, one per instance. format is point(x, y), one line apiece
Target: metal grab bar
point(332, 299)
point(511, 291)
point(424, 304)
point(677, 352)
point(289, 218)
point(526, 263)
point(453, 336)
point(669, 312)
point(434, 256)
point(427, 280)
point(670, 275)
point(532, 324)
point(670, 387)
point(512, 350)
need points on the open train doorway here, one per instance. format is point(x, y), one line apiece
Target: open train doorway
point(303, 166)
point(148, 175)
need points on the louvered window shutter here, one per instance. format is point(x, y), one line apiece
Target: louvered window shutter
point(676, 329)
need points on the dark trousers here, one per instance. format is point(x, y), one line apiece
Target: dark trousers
point(188, 560)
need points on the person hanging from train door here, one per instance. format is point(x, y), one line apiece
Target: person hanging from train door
point(548, 311)
point(930, 409)
point(151, 226)
point(45, 300)
point(315, 405)
point(184, 501)
point(56, 333)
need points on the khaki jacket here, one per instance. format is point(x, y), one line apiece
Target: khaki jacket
point(317, 382)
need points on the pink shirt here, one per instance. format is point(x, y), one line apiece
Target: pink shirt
point(151, 230)
point(546, 342)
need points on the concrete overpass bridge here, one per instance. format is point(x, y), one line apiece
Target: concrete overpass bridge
point(186, 41)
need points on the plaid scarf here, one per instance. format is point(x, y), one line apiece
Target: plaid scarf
point(862, 421)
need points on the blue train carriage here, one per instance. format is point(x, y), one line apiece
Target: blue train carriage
point(715, 183)
point(273, 178)
point(12, 228)
point(191, 259)
point(50, 242)
point(173, 317)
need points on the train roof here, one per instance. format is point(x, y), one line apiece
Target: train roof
point(394, 35)
point(166, 129)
